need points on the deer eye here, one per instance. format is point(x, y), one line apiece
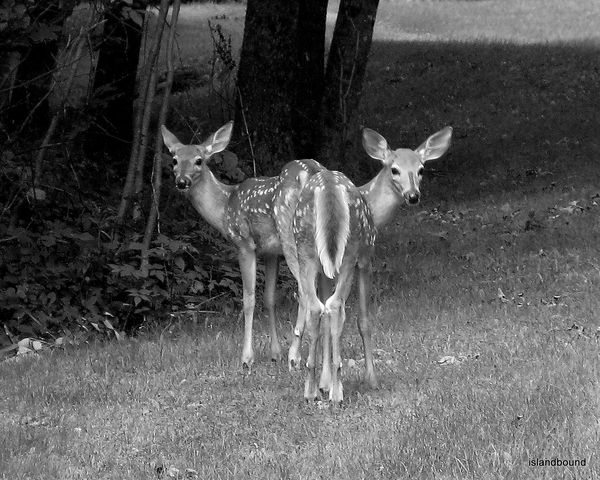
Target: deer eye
point(174, 162)
point(420, 171)
point(198, 161)
point(395, 171)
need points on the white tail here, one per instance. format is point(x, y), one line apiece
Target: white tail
point(254, 215)
point(332, 227)
point(334, 234)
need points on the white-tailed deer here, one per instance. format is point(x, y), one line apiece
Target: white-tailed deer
point(334, 234)
point(253, 215)
point(397, 182)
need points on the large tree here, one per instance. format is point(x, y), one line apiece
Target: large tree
point(346, 68)
point(266, 85)
point(115, 78)
point(309, 77)
point(289, 106)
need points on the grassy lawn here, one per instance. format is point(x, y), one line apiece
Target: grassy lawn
point(496, 275)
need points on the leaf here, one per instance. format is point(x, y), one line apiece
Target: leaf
point(84, 237)
point(134, 15)
point(42, 32)
point(7, 155)
point(447, 360)
point(180, 263)
point(36, 194)
point(108, 325)
point(501, 296)
point(96, 326)
point(230, 160)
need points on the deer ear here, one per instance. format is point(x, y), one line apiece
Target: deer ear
point(436, 145)
point(219, 140)
point(375, 145)
point(170, 140)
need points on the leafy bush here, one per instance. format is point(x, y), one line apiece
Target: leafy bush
point(58, 277)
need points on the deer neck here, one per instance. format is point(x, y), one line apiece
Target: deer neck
point(382, 198)
point(209, 197)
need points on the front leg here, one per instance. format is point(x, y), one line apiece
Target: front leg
point(247, 260)
point(294, 355)
point(271, 270)
point(364, 323)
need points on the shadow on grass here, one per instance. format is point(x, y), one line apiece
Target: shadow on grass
point(524, 116)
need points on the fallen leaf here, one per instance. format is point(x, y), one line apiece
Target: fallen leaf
point(447, 360)
point(501, 296)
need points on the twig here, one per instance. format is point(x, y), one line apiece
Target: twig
point(247, 132)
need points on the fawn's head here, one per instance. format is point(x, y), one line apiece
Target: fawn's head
point(189, 160)
point(405, 166)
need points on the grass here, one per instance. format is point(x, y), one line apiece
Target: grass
point(498, 268)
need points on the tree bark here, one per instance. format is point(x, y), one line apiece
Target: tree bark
point(115, 80)
point(266, 85)
point(309, 77)
point(346, 68)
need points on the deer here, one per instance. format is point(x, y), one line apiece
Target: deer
point(334, 234)
point(254, 215)
point(334, 229)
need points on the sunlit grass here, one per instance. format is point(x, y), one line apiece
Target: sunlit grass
point(514, 21)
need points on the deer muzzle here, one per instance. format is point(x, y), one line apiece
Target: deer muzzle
point(183, 183)
point(412, 198)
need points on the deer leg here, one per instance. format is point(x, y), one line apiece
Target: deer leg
point(364, 323)
point(335, 306)
point(325, 288)
point(294, 356)
point(314, 309)
point(271, 271)
point(247, 260)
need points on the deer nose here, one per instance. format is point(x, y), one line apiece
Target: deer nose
point(182, 183)
point(412, 198)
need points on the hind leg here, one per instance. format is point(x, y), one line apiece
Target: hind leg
point(271, 271)
point(335, 306)
point(325, 288)
point(313, 309)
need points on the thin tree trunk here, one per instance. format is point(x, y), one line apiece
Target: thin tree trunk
point(309, 78)
point(142, 115)
point(346, 68)
point(266, 79)
point(157, 171)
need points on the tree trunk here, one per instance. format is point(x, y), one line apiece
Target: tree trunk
point(114, 81)
point(346, 67)
point(310, 48)
point(147, 89)
point(266, 79)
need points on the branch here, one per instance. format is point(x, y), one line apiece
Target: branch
point(153, 218)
